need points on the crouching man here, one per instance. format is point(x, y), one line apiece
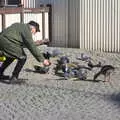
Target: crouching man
point(12, 41)
point(37, 38)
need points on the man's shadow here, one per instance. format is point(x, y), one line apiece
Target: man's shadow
point(60, 74)
point(8, 81)
point(5, 81)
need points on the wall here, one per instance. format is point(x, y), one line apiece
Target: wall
point(9, 16)
point(86, 24)
point(29, 3)
point(73, 23)
point(59, 21)
point(100, 25)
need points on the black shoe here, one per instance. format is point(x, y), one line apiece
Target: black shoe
point(15, 80)
point(4, 77)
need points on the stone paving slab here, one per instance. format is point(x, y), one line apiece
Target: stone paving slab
point(49, 97)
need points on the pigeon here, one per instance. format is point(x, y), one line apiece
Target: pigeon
point(91, 65)
point(64, 60)
point(84, 57)
point(62, 64)
point(56, 52)
point(82, 74)
point(40, 69)
point(47, 55)
point(105, 70)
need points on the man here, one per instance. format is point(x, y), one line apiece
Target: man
point(37, 38)
point(12, 41)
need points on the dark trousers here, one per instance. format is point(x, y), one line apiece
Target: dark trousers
point(18, 67)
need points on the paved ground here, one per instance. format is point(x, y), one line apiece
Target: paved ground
point(49, 97)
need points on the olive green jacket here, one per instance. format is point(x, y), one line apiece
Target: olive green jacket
point(14, 38)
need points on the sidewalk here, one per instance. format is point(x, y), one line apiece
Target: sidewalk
point(49, 97)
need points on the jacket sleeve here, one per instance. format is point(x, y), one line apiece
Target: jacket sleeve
point(28, 41)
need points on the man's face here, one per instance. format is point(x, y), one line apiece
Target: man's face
point(33, 30)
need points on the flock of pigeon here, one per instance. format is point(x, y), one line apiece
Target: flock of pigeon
point(73, 69)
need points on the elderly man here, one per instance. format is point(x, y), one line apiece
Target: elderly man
point(12, 41)
point(37, 38)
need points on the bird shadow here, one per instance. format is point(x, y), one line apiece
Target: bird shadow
point(28, 70)
point(88, 80)
point(77, 79)
point(60, 74)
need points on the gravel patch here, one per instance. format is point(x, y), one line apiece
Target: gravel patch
point(50, 97)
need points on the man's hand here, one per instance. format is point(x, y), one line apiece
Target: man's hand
point(46, 62)
point(46, 41)
point(41, 42)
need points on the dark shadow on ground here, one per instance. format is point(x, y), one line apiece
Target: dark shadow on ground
point(88, 80)
point(19, 82)
point(34, 71)
point(5, 81)
point(60, 74)
point(77, 79)
point(115, 98)
point(28, 70)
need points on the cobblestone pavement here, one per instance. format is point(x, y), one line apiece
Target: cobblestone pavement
point(49, 97)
